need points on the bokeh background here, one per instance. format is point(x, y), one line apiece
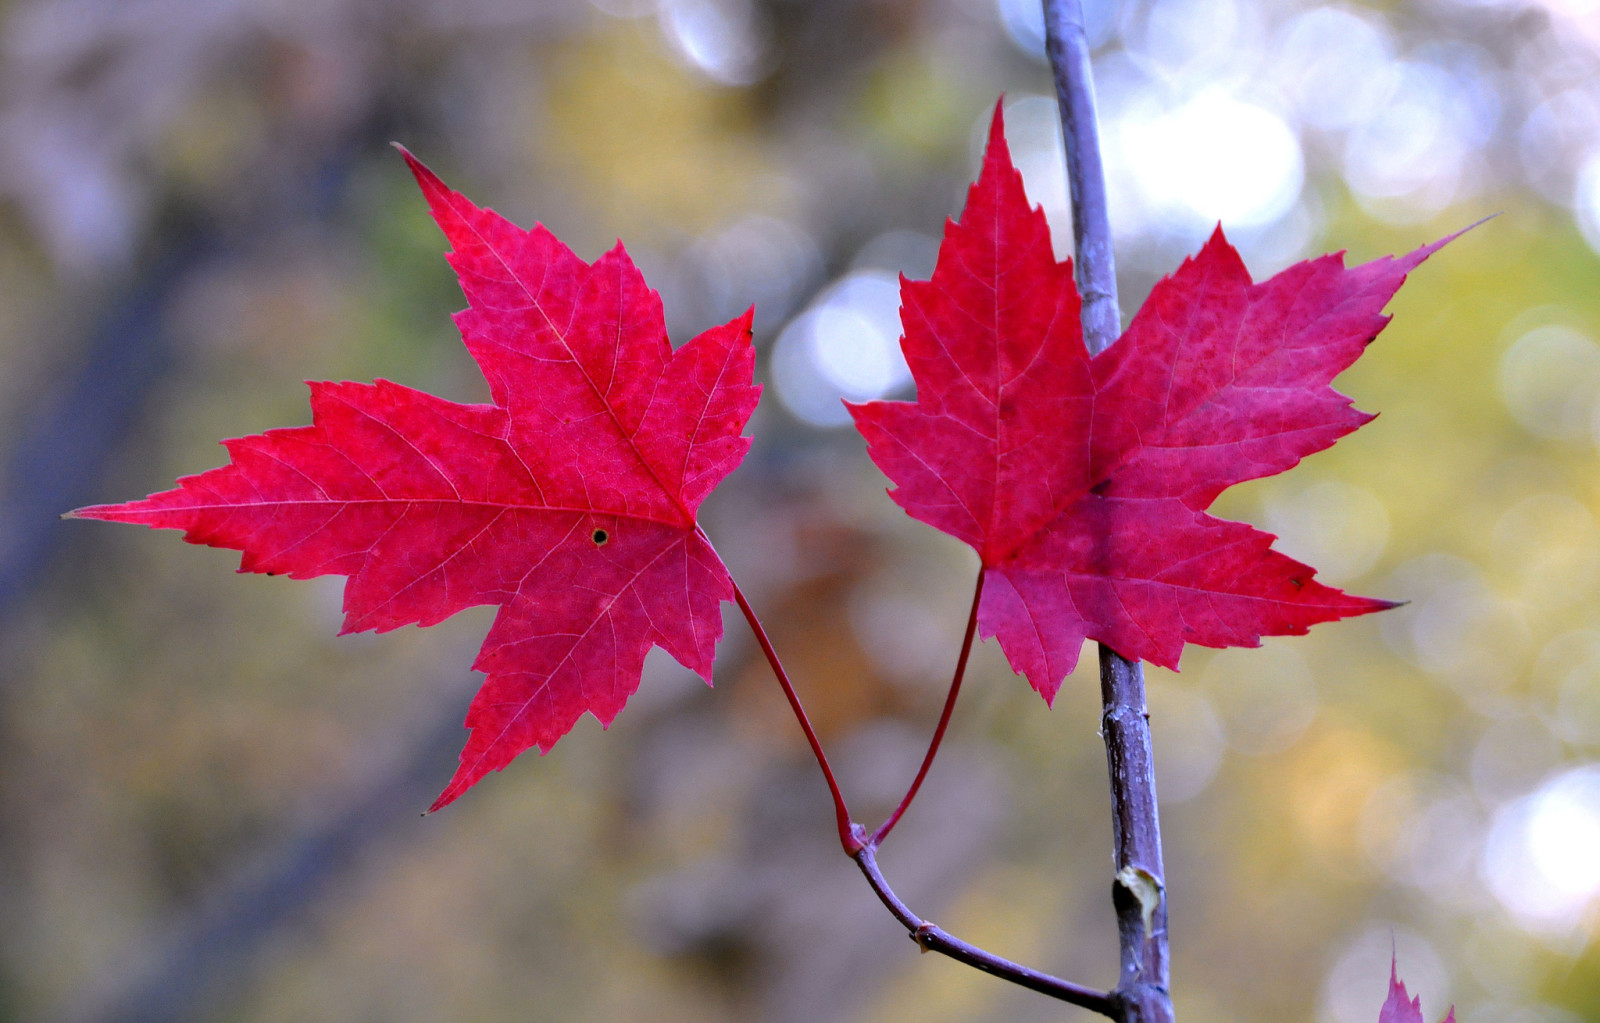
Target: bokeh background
point(210, 803)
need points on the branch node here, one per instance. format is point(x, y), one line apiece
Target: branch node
point(1146, 889)
point(857, 841)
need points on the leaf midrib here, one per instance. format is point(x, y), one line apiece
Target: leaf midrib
point(628, 439)
point(499, 506)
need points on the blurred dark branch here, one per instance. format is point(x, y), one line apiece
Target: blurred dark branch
point(77, 428)
point(75, 431)
point(217, 949)
point(1139, 890)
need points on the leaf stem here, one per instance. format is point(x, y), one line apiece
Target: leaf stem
point(863, 849)
point(931, 938)
point(851, 835)
point(944, 718)
point(1139, 890)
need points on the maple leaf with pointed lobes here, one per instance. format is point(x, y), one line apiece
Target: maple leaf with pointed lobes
point(569, 502)
point(1082, 482)
point(1399, 1007)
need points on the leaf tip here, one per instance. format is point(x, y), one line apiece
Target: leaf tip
point(1218, 255)
point(1400, 1006)
point(446, 797)
point(417, 166)
point(1413, 259)
point(430, 183)
point(100, 512)
point(996, 152)
point(1045, 686)
point(1428, 250)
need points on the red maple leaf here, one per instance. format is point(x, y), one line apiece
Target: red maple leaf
point(1082, 482)
point(1399, 1007)
point(569, 503)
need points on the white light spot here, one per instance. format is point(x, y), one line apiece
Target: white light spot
point(1550, 378)
point(1214, 159)
point(757, 261)
point(1586, 201)
point(851, 355)
point(1337, 65)
point(1194, 43)
point(724, 39)
point(1128, 96)
point(1023, 21)
point(1580, 16)
point(846, 346)
point(1273, 247)
point(1407, 160)
point(1542, 859)
point(1564, 835)
point(1554, 137)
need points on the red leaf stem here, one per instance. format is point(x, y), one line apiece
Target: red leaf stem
point(944, 719)
point(851, 835)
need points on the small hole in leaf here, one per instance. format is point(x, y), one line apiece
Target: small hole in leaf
point(600, 537)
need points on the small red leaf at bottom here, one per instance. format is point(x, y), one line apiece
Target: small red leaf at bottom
point(1400, 1007)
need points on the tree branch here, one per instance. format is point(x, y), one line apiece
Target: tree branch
point(863, 849)
point(932, 938)
point(1139, 891)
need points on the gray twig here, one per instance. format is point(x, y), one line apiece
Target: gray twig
point(1139, 890)
point(932, 938)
